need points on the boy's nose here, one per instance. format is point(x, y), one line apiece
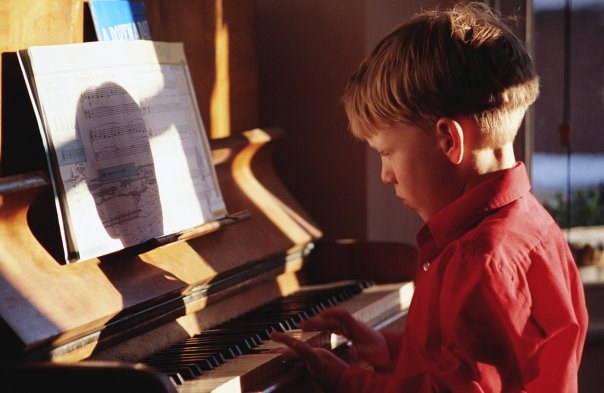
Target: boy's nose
point(387, 175)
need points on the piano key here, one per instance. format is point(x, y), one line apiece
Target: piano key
point(185, 371)
point(245, 371)
point(194, 366)
point(214, 355)
point(214, 342)
point(263, 357)
point(283, 314)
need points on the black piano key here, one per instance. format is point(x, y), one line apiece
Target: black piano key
point(275, 325)
point(227, 351)
point(216, 342)
point(185, 371)
point(198, 364)
point(260, 333)
point(207, 359)
point(212, 347)
point(215, 354)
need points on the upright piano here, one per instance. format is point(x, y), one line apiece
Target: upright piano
point(192, 314)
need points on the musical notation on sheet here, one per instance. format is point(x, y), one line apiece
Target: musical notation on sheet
point(130, 146)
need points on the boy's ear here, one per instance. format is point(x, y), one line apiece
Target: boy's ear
point(451, 139)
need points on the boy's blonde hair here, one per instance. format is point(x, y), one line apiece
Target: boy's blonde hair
point(460, 61)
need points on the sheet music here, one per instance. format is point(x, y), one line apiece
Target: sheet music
point(130, 146)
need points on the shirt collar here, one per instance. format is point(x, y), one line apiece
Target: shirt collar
point(471, 207)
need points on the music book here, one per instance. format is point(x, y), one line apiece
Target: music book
point(128, 154)
point(120, 20)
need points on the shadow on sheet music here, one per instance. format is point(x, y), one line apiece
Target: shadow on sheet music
point(113, 160)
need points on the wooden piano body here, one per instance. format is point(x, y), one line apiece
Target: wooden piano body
point(89, 323)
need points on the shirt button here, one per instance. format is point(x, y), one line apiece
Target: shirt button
point(426, 266)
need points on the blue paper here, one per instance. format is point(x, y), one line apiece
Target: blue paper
point(120, 20)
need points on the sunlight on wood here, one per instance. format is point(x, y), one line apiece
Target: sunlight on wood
point(220, 110)
point(189, 274)
point(288, 283)
point(267, 202)
point(221, 155)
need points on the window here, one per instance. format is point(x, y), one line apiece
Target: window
point(568, 170)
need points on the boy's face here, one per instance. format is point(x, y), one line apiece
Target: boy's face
point(413, 162)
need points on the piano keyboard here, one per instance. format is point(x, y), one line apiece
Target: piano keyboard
point(238, 354)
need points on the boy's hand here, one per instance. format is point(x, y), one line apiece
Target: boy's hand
point(367, 344)
point(324, 366)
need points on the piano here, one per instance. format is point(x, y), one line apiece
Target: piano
point(193, 314)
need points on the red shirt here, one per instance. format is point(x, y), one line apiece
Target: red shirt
point(498, 306)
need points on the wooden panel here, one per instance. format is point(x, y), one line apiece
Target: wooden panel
point(382, 262)
point(219, 43)
point(35, 22)
point(305, 59)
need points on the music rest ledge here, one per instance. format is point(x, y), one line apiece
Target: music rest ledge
point(72, 312)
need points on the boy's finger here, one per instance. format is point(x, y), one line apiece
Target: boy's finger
point(304, 351)
point(308, 355)
point(283, 339)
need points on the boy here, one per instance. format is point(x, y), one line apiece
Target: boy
point(498, 304)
